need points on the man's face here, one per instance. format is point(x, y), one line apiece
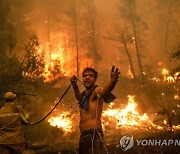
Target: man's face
point(88, 79)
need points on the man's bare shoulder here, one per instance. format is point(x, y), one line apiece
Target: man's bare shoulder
point(98, 90)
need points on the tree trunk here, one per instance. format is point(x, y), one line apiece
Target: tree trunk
point(130, 60)
point(167, 28)
point(49, 39)
point(76, 39)
point(91, 10)
point(137, 47)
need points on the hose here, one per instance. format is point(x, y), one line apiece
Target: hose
point(52, 108)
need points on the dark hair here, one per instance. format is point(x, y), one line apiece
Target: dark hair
point(90, 69)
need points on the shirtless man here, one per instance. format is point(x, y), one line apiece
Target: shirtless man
point(91, 103)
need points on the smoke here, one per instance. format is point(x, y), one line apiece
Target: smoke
point(155, 27)
point(95, 31)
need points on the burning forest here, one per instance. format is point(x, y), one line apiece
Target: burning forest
point(44, 43)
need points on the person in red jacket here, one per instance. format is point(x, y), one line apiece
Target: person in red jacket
point(12, 117)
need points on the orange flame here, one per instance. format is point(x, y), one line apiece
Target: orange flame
point(60, 60)
point(167, 77)
point(130, 72)
point(127, 116)
point(62, 121)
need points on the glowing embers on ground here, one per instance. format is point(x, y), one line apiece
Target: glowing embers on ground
point(127, 116)
point(176, 97)
point(166, 76)
point(63, 120)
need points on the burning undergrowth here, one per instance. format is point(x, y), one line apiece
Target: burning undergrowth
point(152, 108)
point(144, 111)
point(116, 116)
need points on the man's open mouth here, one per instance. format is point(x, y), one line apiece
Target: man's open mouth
point(87, 82)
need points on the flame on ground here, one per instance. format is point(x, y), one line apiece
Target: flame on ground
point(62, 121)
point(169, 78)
point(127, 117)
point(166, 76)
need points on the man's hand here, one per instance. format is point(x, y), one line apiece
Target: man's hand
point(114, 74)
point(109, 86)
point(77, 92)
point(73, 81)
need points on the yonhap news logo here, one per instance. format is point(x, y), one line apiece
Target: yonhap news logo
point(127, 142)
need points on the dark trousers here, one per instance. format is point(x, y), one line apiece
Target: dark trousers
point(12, 148)
point(91, 142)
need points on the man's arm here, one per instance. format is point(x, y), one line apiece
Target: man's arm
point(111, 84)
point(77, 92)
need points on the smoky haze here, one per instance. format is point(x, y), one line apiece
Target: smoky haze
point(157, 28)
point(44, 42)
